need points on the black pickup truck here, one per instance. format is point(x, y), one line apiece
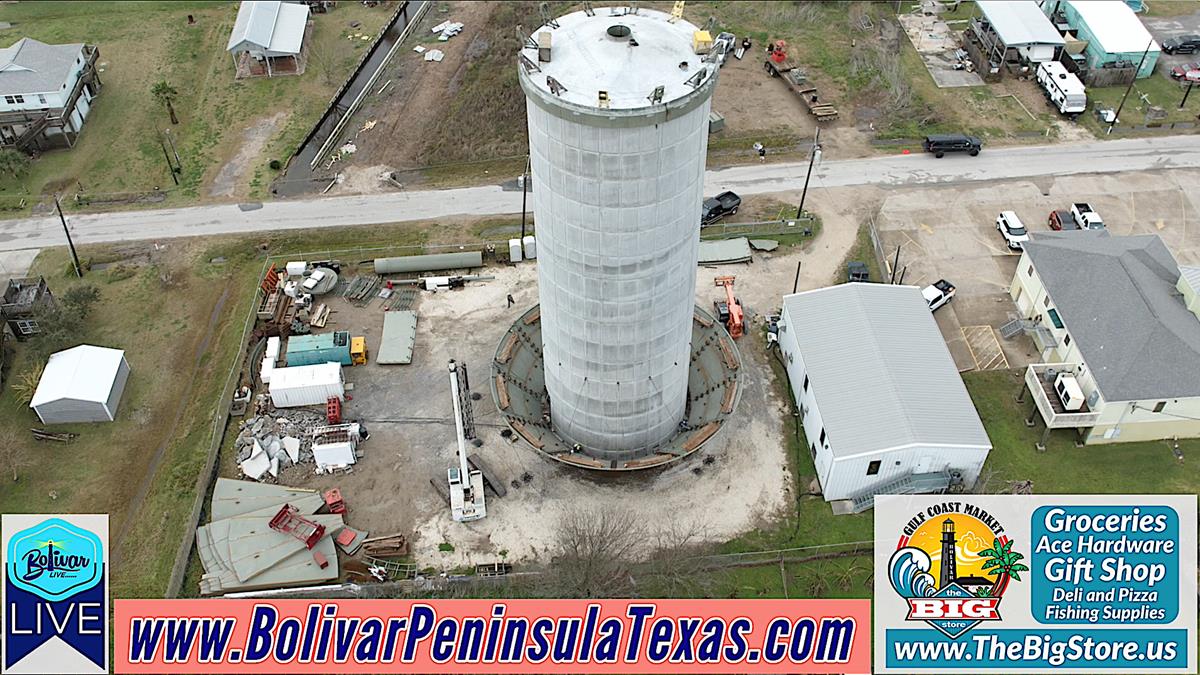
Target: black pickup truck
point(716, 208)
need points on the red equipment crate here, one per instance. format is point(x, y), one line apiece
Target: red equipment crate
point(334, 501)
point(289, 521)
point(333, 410)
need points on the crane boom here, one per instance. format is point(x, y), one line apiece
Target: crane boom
point(466, 485)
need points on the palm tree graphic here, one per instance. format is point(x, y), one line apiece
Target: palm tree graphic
point(1002, 563)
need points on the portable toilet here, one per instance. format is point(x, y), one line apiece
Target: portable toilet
point(514, 250)
point(530, 247)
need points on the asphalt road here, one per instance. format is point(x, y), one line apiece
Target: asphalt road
point(1141, 154)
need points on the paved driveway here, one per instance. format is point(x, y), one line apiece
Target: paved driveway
point(951, 233)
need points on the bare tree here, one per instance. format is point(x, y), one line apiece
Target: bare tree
point(596, 552)
point(15, 455)
point(675, 566)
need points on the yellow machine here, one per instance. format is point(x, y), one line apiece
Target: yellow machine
point(358, 351)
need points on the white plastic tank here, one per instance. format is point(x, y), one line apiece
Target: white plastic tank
point(530, 245)
point(514, 250)
point(296, 268)
point(618, 132)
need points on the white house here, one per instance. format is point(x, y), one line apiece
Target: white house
point(1122, 317)
point(46, 93)
point(268, 38)
point(883, 406)
point(1016, 31)
point(81, 384)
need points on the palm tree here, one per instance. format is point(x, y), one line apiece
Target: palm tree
point(165, 94)
point(1001, 563)
point(13, 162)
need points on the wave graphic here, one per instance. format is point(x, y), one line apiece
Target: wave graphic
point(909, 573)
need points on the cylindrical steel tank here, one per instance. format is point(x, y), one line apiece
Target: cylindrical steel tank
point(618, 131)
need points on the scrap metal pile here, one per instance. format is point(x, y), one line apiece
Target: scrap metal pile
point(245, 547)
point(267, 443)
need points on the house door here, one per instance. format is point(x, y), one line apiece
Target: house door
point(924, 465)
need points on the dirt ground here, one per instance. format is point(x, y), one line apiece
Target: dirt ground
point(757, 105)
point(416, 97)
point(234, 174)
point(408, 411)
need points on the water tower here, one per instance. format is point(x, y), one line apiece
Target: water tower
point(618, 106)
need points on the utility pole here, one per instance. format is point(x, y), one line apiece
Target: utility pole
point(70, 244)
point(812, 159)
point(178, 162)
point(796, 283)
point(1187, 93)
point(1117, 115)
point(525, 195)
point(167, 156)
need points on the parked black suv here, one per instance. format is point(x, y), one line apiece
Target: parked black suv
point(940, 145)
point(1182, 44)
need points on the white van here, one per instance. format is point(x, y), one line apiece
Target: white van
point(1063, 90)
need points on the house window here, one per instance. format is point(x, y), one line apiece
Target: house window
point(41, 99)
point(806, 383)
point(1158, 407)
point(873, 468)
point(1029, 271)
point(822, 441)
point(1055, 319)
point(18, 98)
point(812, 448)
point(1066, 340)
point(1046, 301)
point(26, 327)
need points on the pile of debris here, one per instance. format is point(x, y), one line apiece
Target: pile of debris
point(267, 443)
point(447, 30)
point(267, 536)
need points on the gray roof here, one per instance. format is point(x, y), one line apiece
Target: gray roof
point(1118, 300)
point(880, 370)
point(269, 25)
point(32, 67)
point(1020, 23)
point(1192, 276)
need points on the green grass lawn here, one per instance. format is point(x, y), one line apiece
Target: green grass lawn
point(178, 363)
point(141, 43)
point(1120, 468)
point(1157, 90)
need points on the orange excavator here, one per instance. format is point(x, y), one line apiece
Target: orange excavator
point(730, 311)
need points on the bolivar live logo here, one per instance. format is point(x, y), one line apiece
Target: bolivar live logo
point(55, 594)
point(975, 564)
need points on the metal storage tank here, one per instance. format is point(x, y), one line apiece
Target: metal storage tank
point(618, 132)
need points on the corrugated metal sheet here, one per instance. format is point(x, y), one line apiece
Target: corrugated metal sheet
point(399, 337)
point(880, 370)
point(724, 251)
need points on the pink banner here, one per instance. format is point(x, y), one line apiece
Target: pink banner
point(492, 636)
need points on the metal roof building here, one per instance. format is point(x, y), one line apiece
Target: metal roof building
point(882, 403)
point(1019, 23)
point(269, 27)
point(1113, 32)
point(81, 384)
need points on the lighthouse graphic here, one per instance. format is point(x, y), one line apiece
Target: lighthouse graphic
point(949, 555)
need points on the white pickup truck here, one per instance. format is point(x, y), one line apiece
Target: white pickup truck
point(1086, 216)
point(938, 293)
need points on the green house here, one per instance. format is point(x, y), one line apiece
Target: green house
point(1113, 32)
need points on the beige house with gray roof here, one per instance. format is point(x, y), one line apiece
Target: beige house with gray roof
point(1120, 316)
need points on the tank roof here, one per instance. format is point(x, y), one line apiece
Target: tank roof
point(624, 53)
